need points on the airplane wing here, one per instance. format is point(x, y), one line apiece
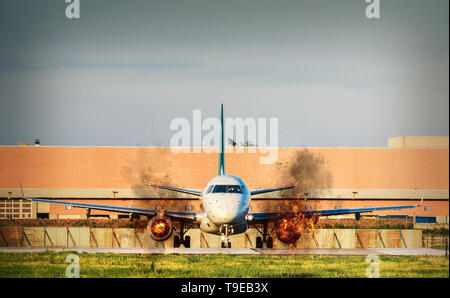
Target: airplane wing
point(183, 190)
point(184, 215)
point(325, 212)
point(260, 191)
point(97, 206)
point(175, 215)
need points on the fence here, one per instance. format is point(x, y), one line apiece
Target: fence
point(68, 237)
point(434, 241)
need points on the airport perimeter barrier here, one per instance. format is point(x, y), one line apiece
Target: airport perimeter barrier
point(83, 237)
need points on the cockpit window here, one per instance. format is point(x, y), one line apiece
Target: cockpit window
point(227, 189)
point(234, 189)
point(220, 188)
point(210, 188)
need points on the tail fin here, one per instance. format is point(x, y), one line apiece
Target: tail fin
point(222, 146)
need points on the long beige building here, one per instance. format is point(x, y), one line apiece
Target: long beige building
point(403, 172)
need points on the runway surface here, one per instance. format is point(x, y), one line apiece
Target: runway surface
point(244, 251)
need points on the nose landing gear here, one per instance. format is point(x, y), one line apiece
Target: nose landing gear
point(225, 231)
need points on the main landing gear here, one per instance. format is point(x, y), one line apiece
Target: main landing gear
point(180, 239)
point(266, 238)
point(225, 231)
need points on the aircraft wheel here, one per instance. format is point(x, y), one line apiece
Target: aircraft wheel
point(259, 242)
point(269, 243)
point(222, 244)
point(229, 244)
point(187, 242)
point(176, 242)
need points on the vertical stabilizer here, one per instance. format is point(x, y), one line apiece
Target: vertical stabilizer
point(222, 145)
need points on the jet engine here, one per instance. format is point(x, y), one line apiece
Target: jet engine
point(160, 228)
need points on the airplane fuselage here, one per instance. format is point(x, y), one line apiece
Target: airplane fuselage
point(225, 201)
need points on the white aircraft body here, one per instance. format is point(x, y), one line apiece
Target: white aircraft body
point(225, 201)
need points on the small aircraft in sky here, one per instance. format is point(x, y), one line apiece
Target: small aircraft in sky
point(225, 202)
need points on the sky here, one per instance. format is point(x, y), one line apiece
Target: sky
point(119, 74)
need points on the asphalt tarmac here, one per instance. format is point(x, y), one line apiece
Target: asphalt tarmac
point(244, 251)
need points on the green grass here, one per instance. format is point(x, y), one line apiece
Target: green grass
point(52, 264)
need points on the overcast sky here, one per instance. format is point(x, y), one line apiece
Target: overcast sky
point(118, 75)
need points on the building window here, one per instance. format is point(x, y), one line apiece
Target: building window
point(277, 208)
point(427, 208)
point(43, 215)
point(337, 207)
point(13, 208)
point(189, 208)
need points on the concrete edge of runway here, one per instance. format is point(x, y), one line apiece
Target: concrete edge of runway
point(241, 251)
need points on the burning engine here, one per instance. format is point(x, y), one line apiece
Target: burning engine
point(290, 227)
point(160, 228)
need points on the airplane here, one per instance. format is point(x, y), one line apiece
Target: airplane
point(225, 202)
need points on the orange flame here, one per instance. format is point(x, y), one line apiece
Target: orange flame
point(293, 225)
point(160, 227)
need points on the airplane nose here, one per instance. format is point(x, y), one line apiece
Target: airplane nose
point(227, 210)
point(230, 212)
